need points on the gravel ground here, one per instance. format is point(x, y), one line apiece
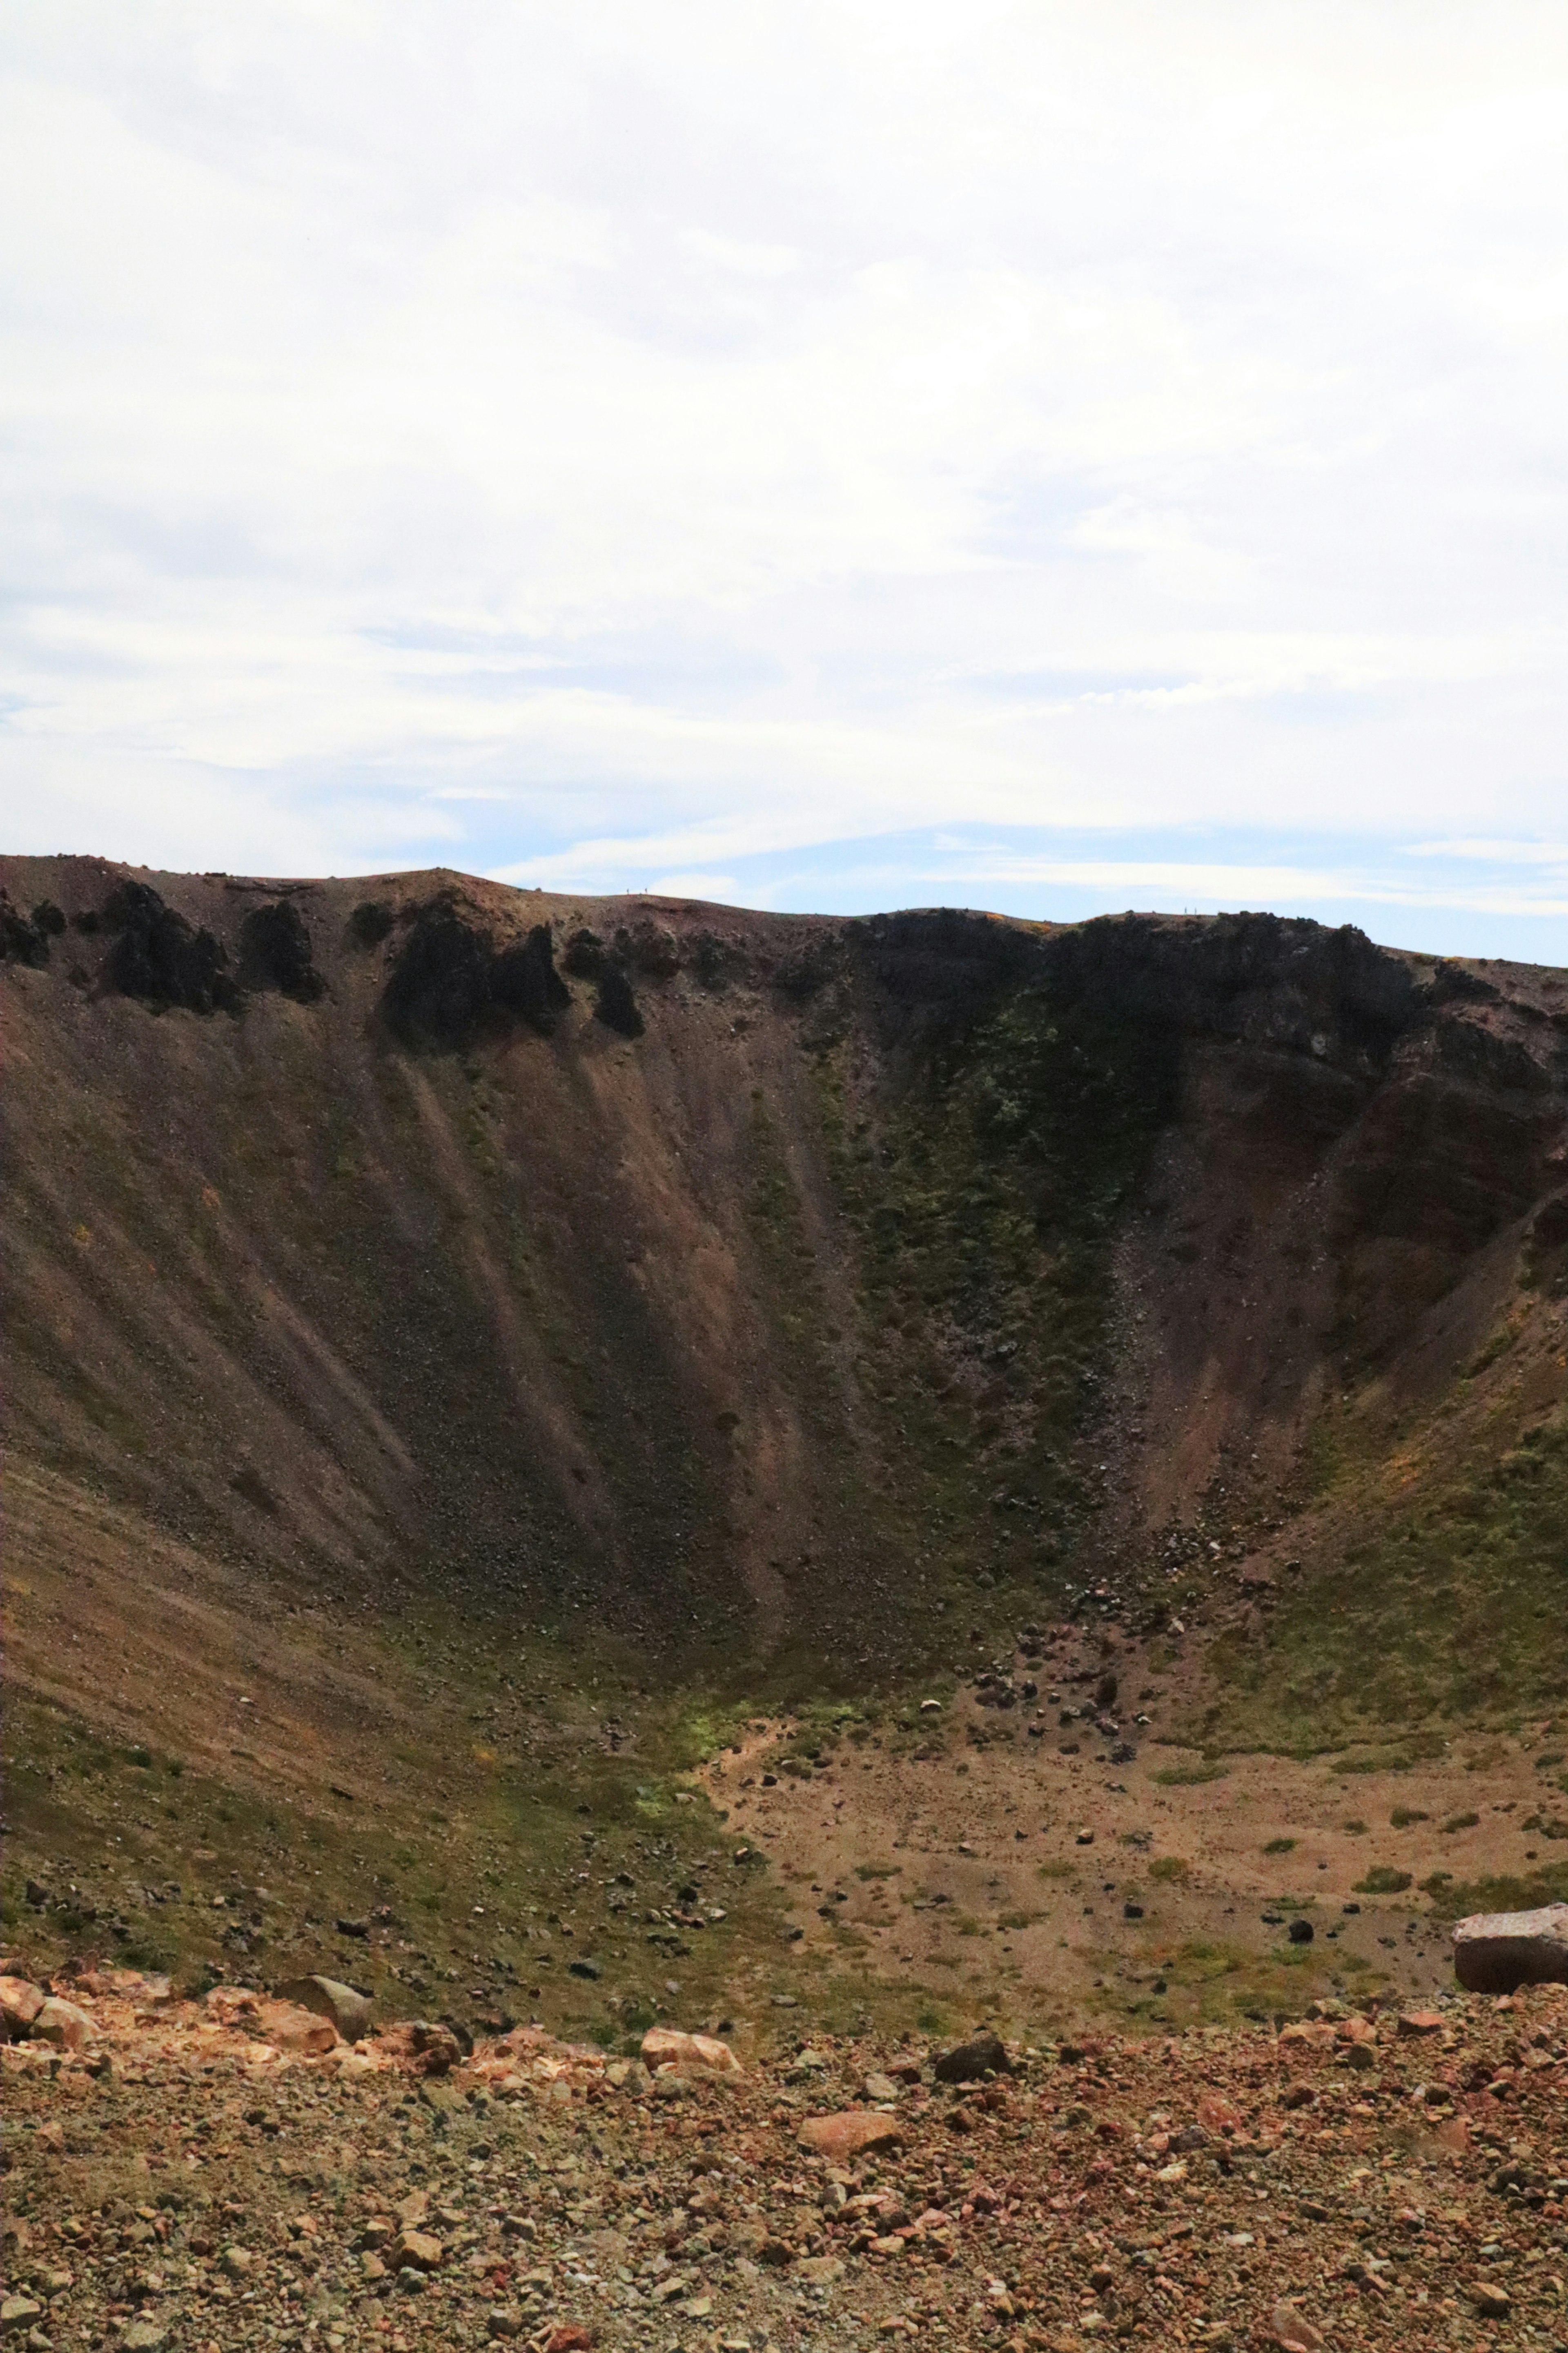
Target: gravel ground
point(187, 2179)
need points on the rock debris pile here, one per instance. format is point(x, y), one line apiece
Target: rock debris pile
point(230, 2172)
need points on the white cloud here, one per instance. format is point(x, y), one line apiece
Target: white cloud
point(612, 442)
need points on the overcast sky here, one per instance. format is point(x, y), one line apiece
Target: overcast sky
point(1072, 456)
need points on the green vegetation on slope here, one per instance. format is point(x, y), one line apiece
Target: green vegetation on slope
point(1458, 1613)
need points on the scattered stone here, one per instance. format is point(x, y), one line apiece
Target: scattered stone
point(1292, 2330)
point(1493, 2302)
point(881, 2087)
point(1413, 2022)
point(1497, 1952)
point(18, 2312)
point(1300, 1932)
point(419, 2250)
point(848, 2134)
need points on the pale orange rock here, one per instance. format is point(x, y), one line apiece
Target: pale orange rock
point(419, 2251)
point(845, 2136)
point(1292, 2330)
point(20, 2002)
point(662, 2046)
point(63, 2024)
point(300, 2031)
point(1413, 2022)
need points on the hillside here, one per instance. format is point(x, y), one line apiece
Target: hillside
point(474, 1344)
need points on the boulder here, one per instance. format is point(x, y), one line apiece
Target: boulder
point(1495, 1952)
point(663, 2047)
point(20, 2004)
point(329, 1998)
point(848, 2134)
point(63, 2024)
point(983, 2054)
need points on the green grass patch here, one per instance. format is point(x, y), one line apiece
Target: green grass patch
point(1280, 1846)
point(1527, 1892)
point(1451, 1608)
point(1384, 1879)
point(1170, 1869)
point(1189, 1776)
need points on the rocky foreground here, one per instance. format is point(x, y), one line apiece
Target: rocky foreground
point(232, 2172)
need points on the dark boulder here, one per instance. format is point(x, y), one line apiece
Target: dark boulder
point(983, 2054)
point(439, 989)
point(161, 959)
point(615, 1006)
point(525, 981)
point(22, 941)
point(369, 923)
point(450, 984)
point(584, 954)
point(275, 952)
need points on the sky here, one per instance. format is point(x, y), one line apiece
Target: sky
point(1052, 458)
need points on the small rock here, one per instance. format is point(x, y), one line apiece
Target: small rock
point(416, 2250)
point(1495, 1952)
point(1292, 2330)
point(329, 1997)
point(1300, 1932)
point(499, 2322)
point(143, 2335)
point(18, 2312)
point(426, 2048)
point(1420, 2021)
point(235, 2262)
point(353, 1927)
point(1493, 2302)
point(589, 1969)
point(982, 2054)
point(842, 2136)
point(1086, 1838)
point(881, 2087)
